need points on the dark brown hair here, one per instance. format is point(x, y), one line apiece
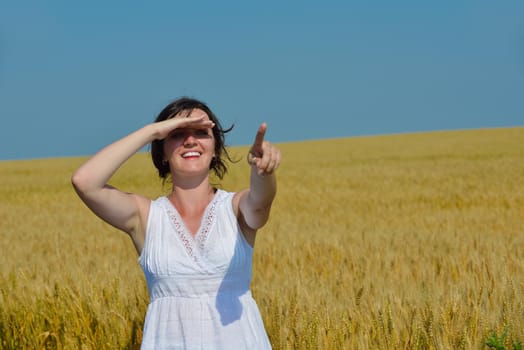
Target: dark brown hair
point(188, 104)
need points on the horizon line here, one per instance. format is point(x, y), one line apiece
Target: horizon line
point(293, 141)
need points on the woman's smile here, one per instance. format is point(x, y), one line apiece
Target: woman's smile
point(191, 155)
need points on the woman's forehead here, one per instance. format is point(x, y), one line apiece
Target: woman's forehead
point(196, 112)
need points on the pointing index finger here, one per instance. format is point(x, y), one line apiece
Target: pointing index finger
point(259, 139)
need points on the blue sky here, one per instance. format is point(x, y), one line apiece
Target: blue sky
point(77, 76)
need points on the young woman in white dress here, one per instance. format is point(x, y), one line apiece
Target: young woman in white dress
point(195, 245)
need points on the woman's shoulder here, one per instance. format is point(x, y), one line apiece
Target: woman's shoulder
point(158, 204)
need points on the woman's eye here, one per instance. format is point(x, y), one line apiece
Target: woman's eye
point(176, 135)
point(202, 133)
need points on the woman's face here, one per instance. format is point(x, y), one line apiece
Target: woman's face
point(188, 150)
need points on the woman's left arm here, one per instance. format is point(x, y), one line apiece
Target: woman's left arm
point(254, 204)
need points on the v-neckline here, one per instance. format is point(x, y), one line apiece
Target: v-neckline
point(197, 241)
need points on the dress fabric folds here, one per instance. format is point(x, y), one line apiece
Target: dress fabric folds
point(199, 286)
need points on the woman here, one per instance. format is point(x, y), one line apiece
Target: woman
point(195, 245)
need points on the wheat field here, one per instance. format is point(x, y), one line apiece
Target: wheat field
point(412, 241)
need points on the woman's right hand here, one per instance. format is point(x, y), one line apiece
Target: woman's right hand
point(165, 127)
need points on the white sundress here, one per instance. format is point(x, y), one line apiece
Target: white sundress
point(199, 286)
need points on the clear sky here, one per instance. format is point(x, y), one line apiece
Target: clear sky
point(75, 76)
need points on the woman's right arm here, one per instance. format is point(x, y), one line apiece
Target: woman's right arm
point(126, 211)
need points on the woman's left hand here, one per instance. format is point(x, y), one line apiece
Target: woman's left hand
point(263, 155)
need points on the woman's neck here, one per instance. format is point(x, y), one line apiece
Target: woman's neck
point(191, 196)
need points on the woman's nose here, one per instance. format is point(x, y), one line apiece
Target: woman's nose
point(189, 138)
